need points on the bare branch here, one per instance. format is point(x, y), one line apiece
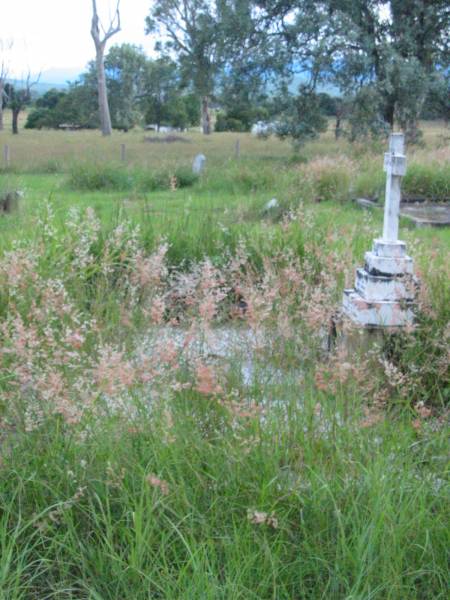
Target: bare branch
point(5, 47)
point(113, 28)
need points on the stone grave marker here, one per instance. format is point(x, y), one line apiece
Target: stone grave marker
point(385, 287)
point(199, 163)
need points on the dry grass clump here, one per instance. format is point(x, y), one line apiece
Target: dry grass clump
point(330, 178)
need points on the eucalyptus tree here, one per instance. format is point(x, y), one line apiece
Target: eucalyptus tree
point(383, 54)
point(100, 41)
point(126, 72)
point(190, 31)
point(18, 96)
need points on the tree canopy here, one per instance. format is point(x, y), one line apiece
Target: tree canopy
point(385, 61)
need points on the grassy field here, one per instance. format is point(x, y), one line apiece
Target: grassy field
point(172, 425)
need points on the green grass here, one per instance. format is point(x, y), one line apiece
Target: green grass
point(361, 512)
point(310, 475)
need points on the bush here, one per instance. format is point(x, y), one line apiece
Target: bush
point(95, 177)
point(227, 123)
point(38, 118)
point(185, 177)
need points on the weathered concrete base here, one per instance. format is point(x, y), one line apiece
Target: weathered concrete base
point(378, 313)
point(388, 265)
point(384, 289)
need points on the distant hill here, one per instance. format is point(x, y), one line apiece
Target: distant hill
point(39, 88)
point(51, 79)
point(61, 76)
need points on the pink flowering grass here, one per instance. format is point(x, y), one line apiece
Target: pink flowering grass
point(173, 425)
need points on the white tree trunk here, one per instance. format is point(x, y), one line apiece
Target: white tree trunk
point(1, 104)
point(103, 106)
point(100, 44)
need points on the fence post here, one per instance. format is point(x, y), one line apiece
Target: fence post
point(6, 155)
point(122, 152)
point(237, 148)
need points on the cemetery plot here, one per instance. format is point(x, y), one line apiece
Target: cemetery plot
point(172, 400)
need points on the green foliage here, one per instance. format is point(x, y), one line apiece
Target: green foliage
point(227, 123)
point(38, 118)
point(427, 181)
point(95, 177)
point(192, 33)
point(276, 487)
point(50, 99)
point(77, 107)
point(389, 52)
point(301, 117)
point(365, 120)
point(140, 89)
point(437, 104)
point(125, 70)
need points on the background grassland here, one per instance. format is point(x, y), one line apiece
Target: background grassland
point(311, 500)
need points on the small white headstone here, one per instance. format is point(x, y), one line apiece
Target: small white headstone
point(199, 164)
point(272, 204)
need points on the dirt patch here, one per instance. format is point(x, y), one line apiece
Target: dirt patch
point(168, 139)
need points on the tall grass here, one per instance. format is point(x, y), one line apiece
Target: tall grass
point(171, 423)
point(112, 177)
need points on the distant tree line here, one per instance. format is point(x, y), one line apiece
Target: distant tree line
point(141, 91)
point(387, 60)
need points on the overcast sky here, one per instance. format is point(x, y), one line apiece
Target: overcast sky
point(50, 35)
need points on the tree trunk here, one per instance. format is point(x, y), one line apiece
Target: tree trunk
point(206, 118)
point(1, 105)
point(15, 121)
point(103, 106)
point(337, 128)
point(389, 112)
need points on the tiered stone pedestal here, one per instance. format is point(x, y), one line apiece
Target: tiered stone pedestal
point(385, 288)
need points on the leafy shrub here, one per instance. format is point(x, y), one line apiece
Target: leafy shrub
point(185, 177)
point(94, 177)
point(38, 118)
point(228, 123)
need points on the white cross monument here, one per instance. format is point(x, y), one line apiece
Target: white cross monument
point(385, 288)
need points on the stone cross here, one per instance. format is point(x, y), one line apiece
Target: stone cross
point(395, 167)
point(385, 287)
